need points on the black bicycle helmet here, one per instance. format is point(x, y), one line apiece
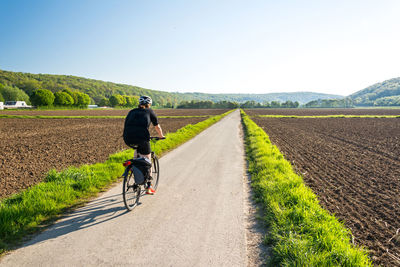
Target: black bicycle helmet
point(144, 99)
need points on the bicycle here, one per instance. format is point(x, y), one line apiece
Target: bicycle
point(134, 179)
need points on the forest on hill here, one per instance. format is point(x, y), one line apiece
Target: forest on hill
point(386, 93)
point(101, 92)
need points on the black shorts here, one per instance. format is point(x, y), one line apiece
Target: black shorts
point(142, 147)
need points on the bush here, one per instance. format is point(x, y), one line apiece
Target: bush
point(117, 100)
point(131, 101)
point(104, 102)
point(63, 99)
point(42, 97)
point(73, 94)
point(83, 99)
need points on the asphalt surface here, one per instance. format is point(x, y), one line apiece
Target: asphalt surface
point(195, 219)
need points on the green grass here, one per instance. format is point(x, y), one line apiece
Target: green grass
point(90, 117)
point(301, 232)
point(23, 213)
point(327, 116)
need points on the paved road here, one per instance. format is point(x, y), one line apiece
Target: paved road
point(196, 218)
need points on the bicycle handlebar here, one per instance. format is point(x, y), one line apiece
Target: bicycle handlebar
point(156, 138)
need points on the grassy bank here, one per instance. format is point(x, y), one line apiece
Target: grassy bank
point(327, 116)
point(301, 232)
point(91, 117)
point(24, 212)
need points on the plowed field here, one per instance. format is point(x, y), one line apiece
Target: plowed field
point(31, 147)
point(321, 111)
point(114, 112)
point(353, 165)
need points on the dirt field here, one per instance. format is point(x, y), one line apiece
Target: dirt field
point(31, 147)
point(353, 165)
point(114, 112)
point(321, 111)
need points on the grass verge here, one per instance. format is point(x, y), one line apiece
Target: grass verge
point(327, 116)
point(301, 232)
point(91, 117)
point(23, 213)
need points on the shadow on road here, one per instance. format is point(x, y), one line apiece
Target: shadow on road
point(96, 212)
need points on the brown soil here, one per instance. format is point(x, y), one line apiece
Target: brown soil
point(353, 165)
point(321, 111)
point(31, 147)
point(113, 112)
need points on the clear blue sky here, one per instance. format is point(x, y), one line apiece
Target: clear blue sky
point(213, 46)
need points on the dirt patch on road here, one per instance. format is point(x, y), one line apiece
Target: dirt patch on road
point(31, 147)
point(353, 165)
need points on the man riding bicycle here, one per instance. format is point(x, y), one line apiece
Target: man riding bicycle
point(136, 131)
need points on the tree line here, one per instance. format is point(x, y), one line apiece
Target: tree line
point(272, 104)
point(331, 103)
point(98, 91)
point(44, 97)
point(119, 101)
point(207, 104)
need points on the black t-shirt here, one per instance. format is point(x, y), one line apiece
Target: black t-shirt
point(137, 124)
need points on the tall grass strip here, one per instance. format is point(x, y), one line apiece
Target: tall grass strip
point(301, 232)
point(24, 212)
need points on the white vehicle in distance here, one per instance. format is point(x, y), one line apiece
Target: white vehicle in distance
point(16, 104)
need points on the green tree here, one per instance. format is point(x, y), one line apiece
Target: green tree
point(42, 97)
point(104, 102)
point(83, 100)
point(1, 98)
point(127, 99)
point(117, 100)
point(133, 101)
point(275, 104)
point(63, 99)
point(11, 93)
point(29, 85)
point(75, 96)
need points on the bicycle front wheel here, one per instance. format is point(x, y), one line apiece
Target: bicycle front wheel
point(130, 191)
point(155, 171)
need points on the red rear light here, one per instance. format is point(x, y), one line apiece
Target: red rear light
point(127, 163)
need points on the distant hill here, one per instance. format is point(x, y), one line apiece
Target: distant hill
point(97, 89)
point(386, 93)
point(301, 97)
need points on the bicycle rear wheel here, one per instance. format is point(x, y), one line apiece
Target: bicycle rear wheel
point(155, 171)
point(130, 191)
